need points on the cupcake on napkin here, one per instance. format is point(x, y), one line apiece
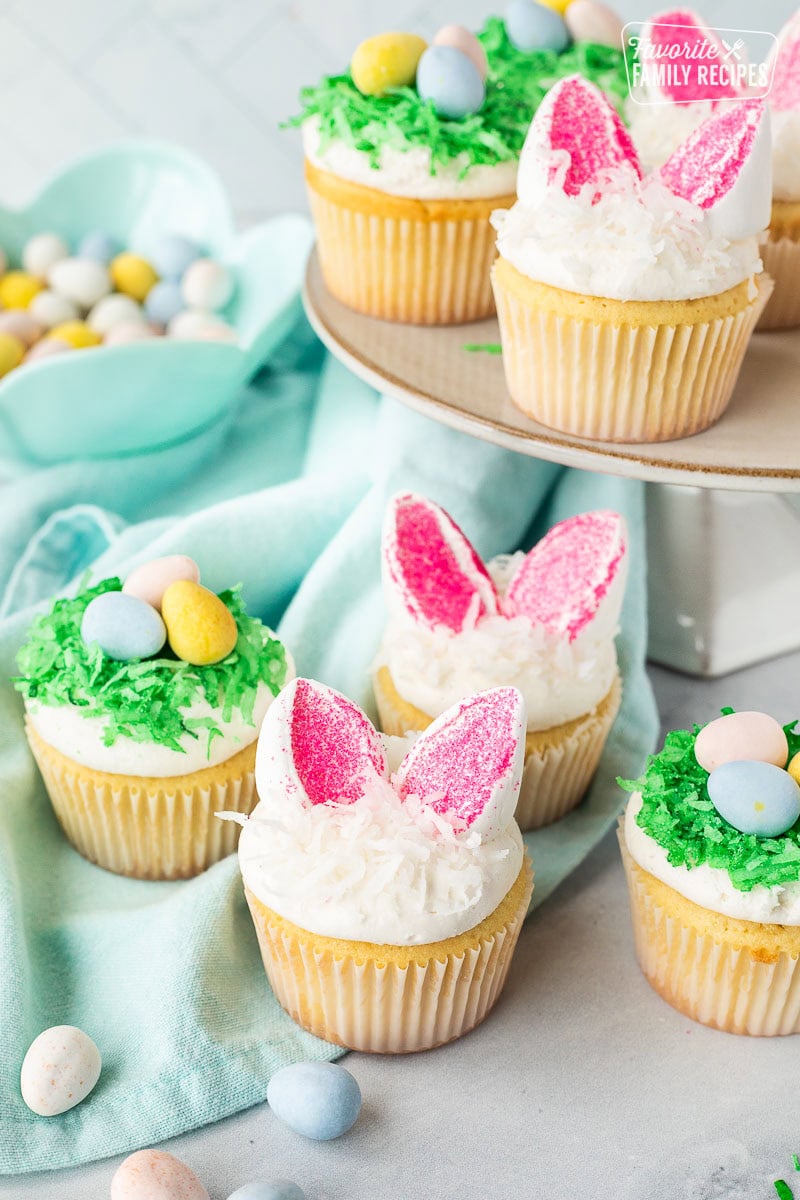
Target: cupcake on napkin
point(543, 622)
point(143, 704)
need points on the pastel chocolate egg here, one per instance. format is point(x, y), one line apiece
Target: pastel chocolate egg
point(164, 301)
point(794, 768)
point(49, 347)
point(317, 1099)
point(207, 285)
point(451, 82)
point(21, 324)
point(590, 21)
point(102, 247)
point(113, 310)
point(48, 308)
point(755, 797)
point(532, 26)
point(151, 579)
point(741, 735)
point(60, 1069)
point(129, 331)
point(133, 275)
point(124, 627)
point(171, 254)
point(43, 251)
point(81, 280)
point(559, 6)
point(386, 61)
point(17, 289)
point(193, 326)
point(76, 334)
point(155, 1175)
point(200, 628)
point(12, 352)
point(277, 1189)
point(464, 40)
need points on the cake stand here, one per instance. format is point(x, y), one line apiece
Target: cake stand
point(724, 520)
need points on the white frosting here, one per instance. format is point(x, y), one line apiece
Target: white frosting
point(786, 155)
point(710, 887)
point(408, 172)
point(559, 680)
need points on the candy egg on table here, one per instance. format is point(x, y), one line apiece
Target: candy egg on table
point(43, 251)
point(207, 285)
point(451, 81)
point(76, 334)
point(102, 247)
point(201, 630)
point(126, 332)
point(386, 61)
point(277, 1189)
point(171, 254)
point(133, 275)
point(49, 308)
point(111, 311)
point(155, 1175)
point(591, 21)
point(755, 797)
point(164, 301)
point(151, 579)
point(47, 348)
point(741, 735)
point(81, 280)
point(532, 26)
point(124, 627)
point(17, 289)
point(464, 40)
point(193, 326)
point(12, 352)
point(20, 323)
point(317, 1099)
point(60, 1069)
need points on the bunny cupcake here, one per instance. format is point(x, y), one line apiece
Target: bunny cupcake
point(782, 249)
point(387, 892)
point(543, 622)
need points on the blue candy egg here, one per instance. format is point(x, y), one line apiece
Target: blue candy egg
point(531, 26)
point(164, 301)
point(124, 627)
point(451, 81)
point(278, 1189)
point(755, 797)
point(171, 254)
point(101, 247)
point(319, 1100)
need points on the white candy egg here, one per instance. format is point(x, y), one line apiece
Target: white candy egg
point(42, 252)
point(195, 326)
point(128, 331)
point(113, 310)
point(207, 285)
point(49, 309)
point(82, 280)
point(60, 1069)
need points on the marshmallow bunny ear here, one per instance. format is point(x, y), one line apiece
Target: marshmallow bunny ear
point(567, 579)
point(784, 95)
point(725, 167)
point(680, 37)
point(317, 746)
point(468, 763)
point(431, 569)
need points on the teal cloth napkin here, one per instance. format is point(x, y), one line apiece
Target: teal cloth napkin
point(167, 978)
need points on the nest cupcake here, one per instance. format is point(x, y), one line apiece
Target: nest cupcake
point(626, 303)
point(543, 622)
point(143, 704)
point(387, 892)
point(711, 845)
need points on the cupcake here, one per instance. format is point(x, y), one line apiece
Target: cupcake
point(781, 252)
point(711, 845)
point(408, 153)
point(542, 622)
point(626, 303)
point(387, 892)
point(143, 704)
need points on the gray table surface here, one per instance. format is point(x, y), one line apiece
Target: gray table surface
point(582, 1083)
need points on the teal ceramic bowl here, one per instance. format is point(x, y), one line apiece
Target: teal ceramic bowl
point(124, 400)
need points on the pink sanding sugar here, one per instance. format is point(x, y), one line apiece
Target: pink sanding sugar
point(334, 746)
point(585, 124)
point(564, 578)
point(785, 92)
point(681, 41)
point(705, 167)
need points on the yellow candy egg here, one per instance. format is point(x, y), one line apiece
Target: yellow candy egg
point(560, 6)
point(76, 334)
point(132, 275)
point(201, 630)
point(18, 288)
point(388, 60)
point(794, 767)
point(12, 352)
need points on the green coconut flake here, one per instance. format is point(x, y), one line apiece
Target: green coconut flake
point(146, 700)
point(679, 815)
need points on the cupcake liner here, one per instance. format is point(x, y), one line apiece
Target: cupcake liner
point(148, 828)
point(736, 976)
point(421, 262)
point(559, 762)
point(782, 262)
point(618, 382)
point(391, 999)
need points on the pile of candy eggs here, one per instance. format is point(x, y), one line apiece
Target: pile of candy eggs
point(450, 73)
point(99, 293)
point(553, 24)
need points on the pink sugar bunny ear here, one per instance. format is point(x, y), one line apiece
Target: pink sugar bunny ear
point(468, 763)
point(784, 95)
point(318, 746)
point(677, 36)
point(564, 580)
point(725, 167)
point(431, 568)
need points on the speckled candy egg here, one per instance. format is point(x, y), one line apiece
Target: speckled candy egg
point(172, 254)
point(48, 308)
point(155, 1175)
point(278, 1189)
point(127, 332)
point(193, 326)
point(164, 302)
point(464, 40)
point(590, 21)
point(755, 797)
point(207, 285)
point(76, 334)
point(18, 288)
point(43, 251)
point(388, 60)
point(151, 579)
point(81, 280)
point(450, 81)
point(319, 1100)
point(741, 735)
point(113, 310)
point(133, 275)
point(124, 627)
point(49, 347)
point(532, 26)
point(60, 1069)
point(201, 629)
point(12, 352)
point(559, 6)
point(794, 768)
point(20, 323)
point(102, 247)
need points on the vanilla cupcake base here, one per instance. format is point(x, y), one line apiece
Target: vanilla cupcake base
point(622, 371)
point(737, 976)
point(781, 255)
point(424, 262)
point(148, 827)
point(559, 762)
point(391, 999)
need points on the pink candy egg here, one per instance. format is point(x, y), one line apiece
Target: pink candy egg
point(739, 736)
point(195, 326)
point(149, 581)
point(156, 1175)
point(462, 39)
point(47, 348)
point(21, 324)
point(128, 331)
point(590, 21)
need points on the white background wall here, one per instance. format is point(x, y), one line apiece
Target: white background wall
point(215, 75)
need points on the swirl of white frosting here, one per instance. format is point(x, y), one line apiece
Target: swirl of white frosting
point(786, 155)
point(710, 887)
